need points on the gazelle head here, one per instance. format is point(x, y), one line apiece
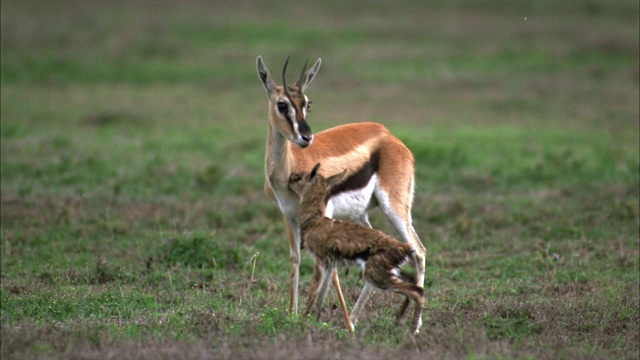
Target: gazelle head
point(288, 105)
point(314, 186)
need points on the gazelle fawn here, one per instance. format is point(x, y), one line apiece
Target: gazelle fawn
point(379, 169)
point(332, 242)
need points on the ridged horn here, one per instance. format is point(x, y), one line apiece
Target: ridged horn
point(284, 72)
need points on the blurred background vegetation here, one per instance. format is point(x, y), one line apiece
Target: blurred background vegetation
point(133, 137)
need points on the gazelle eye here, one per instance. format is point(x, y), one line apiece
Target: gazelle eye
point(282, 107)
point(308, 105)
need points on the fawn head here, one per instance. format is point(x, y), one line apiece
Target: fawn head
point(312, 184)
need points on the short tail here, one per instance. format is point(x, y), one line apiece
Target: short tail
point(399, 254)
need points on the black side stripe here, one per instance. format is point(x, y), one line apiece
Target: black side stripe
point(360, 178)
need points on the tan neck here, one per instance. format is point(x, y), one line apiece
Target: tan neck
point(278, 158)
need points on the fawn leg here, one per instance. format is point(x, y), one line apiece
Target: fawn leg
point(316, 279)
point(402, 313)
point(403, 285)
point(324, 287)
point(415, 293)
point(362, 299)
point(343, 305)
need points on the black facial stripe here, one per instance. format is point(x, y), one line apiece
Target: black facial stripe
point(286, 114)
point(360, 178)
point(299, 113)
point(299, 108)
point(297, 102)
point(290, 122)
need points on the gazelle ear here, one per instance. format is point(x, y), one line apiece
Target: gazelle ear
point(337, 179)
point(314, 172)
point(265, 76)
point(309, 75)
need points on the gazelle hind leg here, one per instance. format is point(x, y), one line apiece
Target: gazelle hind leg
point(398, 211)
point(417, 315)
point(418, 256)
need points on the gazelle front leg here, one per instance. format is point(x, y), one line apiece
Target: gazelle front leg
point(294, 250)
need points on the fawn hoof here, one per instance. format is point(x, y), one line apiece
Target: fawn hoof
point(353, 321)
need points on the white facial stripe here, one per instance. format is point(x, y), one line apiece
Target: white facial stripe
point(291, 115)
point(294, 121)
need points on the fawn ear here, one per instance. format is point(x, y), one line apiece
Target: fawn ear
point(336, 179)
point(314, 171)
point(295, 177)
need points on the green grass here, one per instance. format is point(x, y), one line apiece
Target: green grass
point(132, 209)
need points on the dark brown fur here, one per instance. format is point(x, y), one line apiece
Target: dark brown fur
point(332, 242)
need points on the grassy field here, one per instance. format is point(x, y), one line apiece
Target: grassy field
point(134, 225)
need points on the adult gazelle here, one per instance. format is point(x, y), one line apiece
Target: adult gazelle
point(379, 169)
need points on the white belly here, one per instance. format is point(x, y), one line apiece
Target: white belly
point(352, 205)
